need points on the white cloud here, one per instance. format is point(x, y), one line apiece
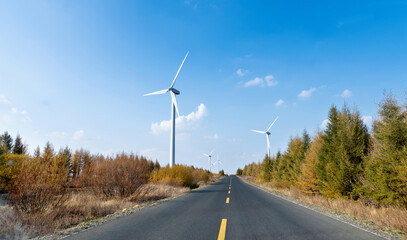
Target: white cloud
point(254, 82)
point(147, 151)
point(368, 120)
point(306, 93)
point(324, 123)
point(24, 112)
point(266, 81)
point(241, 72)
point(14, 110)
point(60, 134)
point(214, 137)
point(182, 122)
point(347, 93)
point(279, 103)
point(4, 100)
point(269, 81)
point(78, 135)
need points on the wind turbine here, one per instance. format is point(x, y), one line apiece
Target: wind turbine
point(217, 162)
point(174, 108)
point(209, 158)
point(267, 136)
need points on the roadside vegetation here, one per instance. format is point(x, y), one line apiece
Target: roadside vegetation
point(346, 167)
point(53, 190)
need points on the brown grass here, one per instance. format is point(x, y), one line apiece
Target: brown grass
point(389, 219)
point(151, 192)
point(10, 224)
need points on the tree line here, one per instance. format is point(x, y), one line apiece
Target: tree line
point(346, 159)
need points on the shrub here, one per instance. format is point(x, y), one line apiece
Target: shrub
point(179, 175)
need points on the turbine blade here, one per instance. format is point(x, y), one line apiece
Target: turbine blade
point(272, 124)
point(176, 75)
point(158, 92)
point(211, 151)
point(174, 101)
point(206, 155)
point(258, 131)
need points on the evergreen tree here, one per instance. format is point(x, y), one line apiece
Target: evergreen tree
point(288, 169)
point(48, 153)
point(6, 142)
point(386, 168)
point(267, 168)
point(309, 176)
point(37, 152)
point(66, 155)
point(345, 144)
point(19, 147)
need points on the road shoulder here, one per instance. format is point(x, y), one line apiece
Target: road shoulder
point(364, 225)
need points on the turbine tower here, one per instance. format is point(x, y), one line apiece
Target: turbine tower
point(267, 136)
point(174, 108)
point(217, 162)
point(209, 159)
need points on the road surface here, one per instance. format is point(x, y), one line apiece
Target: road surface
point(228, 209)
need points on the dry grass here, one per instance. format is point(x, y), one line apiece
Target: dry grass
point(11, 226)
point(79, 206)
point(386, 218)
point(152, 192)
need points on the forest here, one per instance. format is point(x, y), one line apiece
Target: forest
point(53, 190)
point(347, 160)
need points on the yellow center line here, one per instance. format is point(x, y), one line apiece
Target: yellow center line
point(227, 200)
point(222, 230)
point(228, 192)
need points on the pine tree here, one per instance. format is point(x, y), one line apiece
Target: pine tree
point(386, 168)
point(267, 168)
point(19, 147)
point(345, 144)
point(309, 176)
point(48, 153)
point(6, 142)
point(37, 152)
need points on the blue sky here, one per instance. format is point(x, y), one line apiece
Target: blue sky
point(74, 72)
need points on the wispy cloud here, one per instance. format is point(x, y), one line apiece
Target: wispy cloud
point(279, 103)
point(324, 123)
point(346, 94)
point(15, 115)
point(75, 136)
point(306, 93)
point(214, 137)
point(368, 120)
point(241, 72)
point(182, 122)
point(262, 82)
point(4, 100)
point(147, 151)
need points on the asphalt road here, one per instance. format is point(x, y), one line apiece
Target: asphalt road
point(249, 213)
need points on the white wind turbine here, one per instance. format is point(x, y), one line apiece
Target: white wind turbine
point(217, 162)
point(267, 136)
point(174, 108)
point(209, 159)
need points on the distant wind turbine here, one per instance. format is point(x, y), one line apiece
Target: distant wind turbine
point(209, 159)
point(217, 162)
point(267, 136)
point(174, 108)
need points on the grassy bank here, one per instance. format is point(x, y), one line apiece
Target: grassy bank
point(392, 220)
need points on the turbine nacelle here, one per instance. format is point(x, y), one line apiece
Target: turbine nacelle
point(175, 91)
